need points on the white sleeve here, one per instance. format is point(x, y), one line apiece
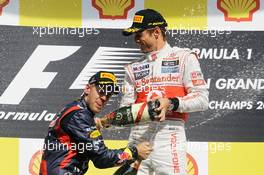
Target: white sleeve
point(128, 90)
point(195, 86)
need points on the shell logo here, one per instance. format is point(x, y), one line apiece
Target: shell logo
point(2, 4)
point(34, 164)
point(192, 167)
point(109, 9)
point(238, 10)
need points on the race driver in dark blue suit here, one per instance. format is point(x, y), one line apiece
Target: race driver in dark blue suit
point(73, 138)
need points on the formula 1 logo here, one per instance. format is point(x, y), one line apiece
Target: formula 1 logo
point(2, 4)
point(238, 10)
point(117, 9)
point(32, 74)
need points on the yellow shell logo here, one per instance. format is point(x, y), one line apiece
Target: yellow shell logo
point(238, 10)
point(192, 168)
point(109, 9)
point(34, 164)
point(2, 4)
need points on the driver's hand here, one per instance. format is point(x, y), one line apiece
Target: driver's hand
point(163, 108)
point(144, 149)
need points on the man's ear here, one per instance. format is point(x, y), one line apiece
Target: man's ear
point(87, 89)
point(157, 32)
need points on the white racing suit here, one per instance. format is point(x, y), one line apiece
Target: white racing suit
point(170, 72)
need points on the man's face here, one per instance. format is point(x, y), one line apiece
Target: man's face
point(146, 41)
point(95, 99)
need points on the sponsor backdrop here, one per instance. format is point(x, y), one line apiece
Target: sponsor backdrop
point(48, 53)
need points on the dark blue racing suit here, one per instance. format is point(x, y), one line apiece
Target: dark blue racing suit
point(73, 140)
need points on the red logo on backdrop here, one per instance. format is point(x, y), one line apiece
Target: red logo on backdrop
point(238, 10)
point(109, 9)
point(192, 167)
point(34, 164)
point(2, 4)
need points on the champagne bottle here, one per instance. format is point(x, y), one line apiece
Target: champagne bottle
point(140, 112)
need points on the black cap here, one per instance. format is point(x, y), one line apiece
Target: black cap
point(145, 19)
point(106, 82)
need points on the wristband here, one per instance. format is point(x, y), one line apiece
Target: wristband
point(152, 105)
point(174, 104)
point(134, 152)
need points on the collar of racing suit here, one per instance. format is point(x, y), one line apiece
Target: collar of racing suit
point(152, 56)
point(84, 105)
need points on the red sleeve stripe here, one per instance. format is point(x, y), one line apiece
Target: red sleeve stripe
point(71, 109)
point(140, 112)
point(65, 138)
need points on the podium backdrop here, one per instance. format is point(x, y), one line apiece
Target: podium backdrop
point(49, 50)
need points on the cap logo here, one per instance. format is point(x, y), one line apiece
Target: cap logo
point(108, 75)
point(155, 23)
point(131, 30)
point(138, 19)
